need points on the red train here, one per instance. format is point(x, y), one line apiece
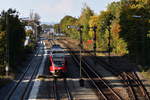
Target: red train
point(58, 63)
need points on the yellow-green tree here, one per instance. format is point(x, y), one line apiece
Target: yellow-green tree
point(119, 45)
point(69, 21)
point(83, 20)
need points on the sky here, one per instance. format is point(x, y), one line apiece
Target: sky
point(53, 10)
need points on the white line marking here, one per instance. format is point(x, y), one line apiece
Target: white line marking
point(35, 89)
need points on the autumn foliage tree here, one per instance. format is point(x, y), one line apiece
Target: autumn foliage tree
point(84, 19)
point(65, 22)
point(127, 22)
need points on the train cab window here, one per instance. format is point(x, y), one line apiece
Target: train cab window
point(59, 63)
point(58, 52)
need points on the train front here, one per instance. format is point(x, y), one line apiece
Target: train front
point(58, 63)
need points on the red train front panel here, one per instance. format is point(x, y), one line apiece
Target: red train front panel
point(58, 66)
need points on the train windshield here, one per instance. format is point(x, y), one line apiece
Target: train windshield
point(59, 63)
point(58, 57)
point(58, 52)
point(58, 60)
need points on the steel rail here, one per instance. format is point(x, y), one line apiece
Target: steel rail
point(99, 90)
point(52, 42)
point(96, 86)
point(143, 87)
point(133, 76)
point(128, 77)
point(87, 65)
point(130, 88)
point(67, 90)
point(126, 82)
point(55, 90)
point(20, 79)
point(99, 77)
point(30, 80)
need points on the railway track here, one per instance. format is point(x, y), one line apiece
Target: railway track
point(23, 85)
point(57, 82)
point(52, 42)
point(56, 90)
point(135, 87)
point(104, 90)
point(69, 95)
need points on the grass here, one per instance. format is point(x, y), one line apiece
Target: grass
point(145, 71)
point(146, 74)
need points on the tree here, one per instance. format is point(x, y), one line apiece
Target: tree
point(35, 17)
point(14, 35)
point(56, 27)
point(65, 22)
point(127, 24)
point(2, 49)
point(34, 22)
point(92, 23)
point(134, 22)
point(86, 13)
point(103, 28)
point(84, 18)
